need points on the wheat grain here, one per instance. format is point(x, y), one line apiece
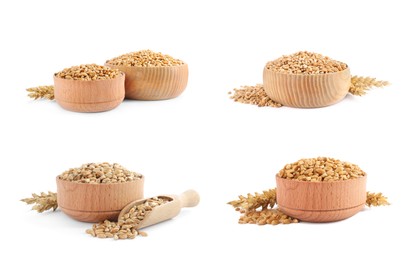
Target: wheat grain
point(88, 72)
point(127, 226)
point(304, 62)
point(320, 169)
point(254, 95)
point(145, 58)
point(266, 216)
point(96, 173)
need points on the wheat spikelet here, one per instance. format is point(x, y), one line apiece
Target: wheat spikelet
point(46, 92)
point(376, 199)
point(43, 202)
point(259, 209)
point(252, 202)
point(360, 85)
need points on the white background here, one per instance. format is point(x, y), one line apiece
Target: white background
point(202, 139)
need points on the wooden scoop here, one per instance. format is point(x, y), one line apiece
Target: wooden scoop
point(189, 198)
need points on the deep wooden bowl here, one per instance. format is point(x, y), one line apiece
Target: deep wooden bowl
point(89, 96)
point(306, 91)
point(96, 202)
point(321, 201)
point(154, 83)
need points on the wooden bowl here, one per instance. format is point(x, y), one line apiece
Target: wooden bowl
point(89, 96)
point(154, 83)
point(306, 90)
point(96, 202)
point(321, 201)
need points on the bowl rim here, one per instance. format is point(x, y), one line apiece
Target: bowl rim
point(322, 182)
point(121, 75)
point(309, 75)
point(103, 184)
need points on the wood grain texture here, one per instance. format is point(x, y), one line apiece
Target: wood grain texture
point(154, 83)
point(96, 202)
point(189, 198)
point(321, 201)
point(306, 91)
point(89, 96)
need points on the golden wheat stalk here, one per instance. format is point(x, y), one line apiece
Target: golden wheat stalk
point(43, 202)
point(45, 92)
point(360, 85)
point(376, 199)
point(252, 202)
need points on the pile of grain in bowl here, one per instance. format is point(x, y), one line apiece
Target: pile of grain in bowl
point(320, 169)
point(145, 58)
point(100, 173)
point(127, 227)
point(304, 62)
point(88, 72)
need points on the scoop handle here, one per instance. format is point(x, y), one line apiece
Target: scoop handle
point(189, 198)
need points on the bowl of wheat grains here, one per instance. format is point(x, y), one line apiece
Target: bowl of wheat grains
point(151, 75)
point(321, 189)
point(89, 88)
point(306, 80)
point(95, 192)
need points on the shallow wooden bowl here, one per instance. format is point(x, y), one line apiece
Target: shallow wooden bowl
point(154, 83)
point(89, 96)
point(96, 202)
point(321, 201)
point(306, 91)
